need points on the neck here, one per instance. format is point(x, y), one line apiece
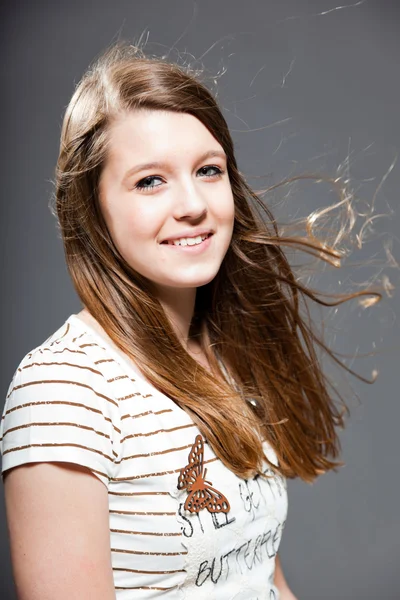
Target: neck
point(178, 305)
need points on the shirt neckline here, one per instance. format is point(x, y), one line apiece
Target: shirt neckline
point(119, 357)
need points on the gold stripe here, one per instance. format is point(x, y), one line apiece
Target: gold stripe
point(100, 473)
point(134, 435)
point(64, 334)
point(61, 351)
point(77, 404)
point(130, 396)
point(145, 587)
point(117, 378)
point(148, 412)
point(148, 553)
point(111, 360)
point(148, 572)
point(57, 341)
point(157, 453)
point(143, 514)
point(155, 533)
point(138, 494)
point(48, 445)
point(78, 337)
point(66, 424)
point(62, 363)
point(84, 385)
point(132, 477)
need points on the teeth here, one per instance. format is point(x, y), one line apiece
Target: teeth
point(189, 241)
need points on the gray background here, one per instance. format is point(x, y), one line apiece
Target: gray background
point(306, 84)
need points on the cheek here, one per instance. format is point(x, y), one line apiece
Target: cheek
point(133, 222)
point(225, 208)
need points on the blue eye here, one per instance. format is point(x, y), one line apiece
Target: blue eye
point(217, 169)
point(147, 183)
point(141, 185)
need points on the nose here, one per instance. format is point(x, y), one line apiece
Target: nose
point(190, 203)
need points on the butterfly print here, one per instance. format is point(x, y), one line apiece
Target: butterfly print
point(192, 478)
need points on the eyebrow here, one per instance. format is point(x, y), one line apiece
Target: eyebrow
point(164, 165)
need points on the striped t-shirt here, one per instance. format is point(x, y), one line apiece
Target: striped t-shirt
point(175, 531)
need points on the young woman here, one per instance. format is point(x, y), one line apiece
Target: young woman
point(146, 443)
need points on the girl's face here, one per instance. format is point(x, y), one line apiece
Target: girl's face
point(166, 197)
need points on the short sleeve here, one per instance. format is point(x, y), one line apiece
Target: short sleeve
point(58, 409)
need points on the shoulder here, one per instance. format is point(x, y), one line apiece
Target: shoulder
point(59, 405)
point(66, 358)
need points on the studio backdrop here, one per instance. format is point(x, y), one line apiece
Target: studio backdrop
point(306, 87)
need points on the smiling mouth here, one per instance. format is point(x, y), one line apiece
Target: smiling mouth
point(188, 241)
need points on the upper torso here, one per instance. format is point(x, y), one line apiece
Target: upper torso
point(138, 441)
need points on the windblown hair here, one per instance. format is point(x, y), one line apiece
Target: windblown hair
point(265, 381)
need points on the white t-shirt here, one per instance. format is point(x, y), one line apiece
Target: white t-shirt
point(75, 399)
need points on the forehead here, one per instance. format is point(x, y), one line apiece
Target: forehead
point(158, 135)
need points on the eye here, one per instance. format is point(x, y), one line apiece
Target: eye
point(218, 173)
point(146, 183)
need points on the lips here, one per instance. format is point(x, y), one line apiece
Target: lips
point(189, 234)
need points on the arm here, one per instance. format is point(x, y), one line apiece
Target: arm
point(58, 521)
point(281, 583)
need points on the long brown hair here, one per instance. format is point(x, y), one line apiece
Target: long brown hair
point(249, 319)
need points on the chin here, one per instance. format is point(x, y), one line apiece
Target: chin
point(191, 282)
